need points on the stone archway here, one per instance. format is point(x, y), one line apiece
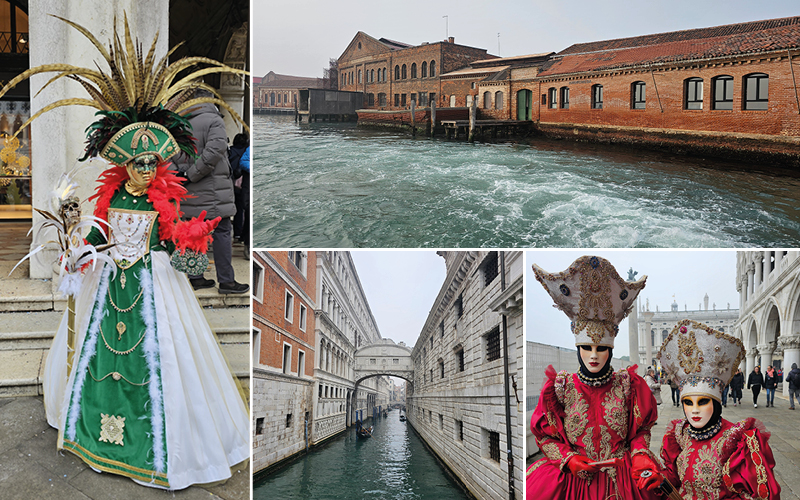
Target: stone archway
point(382, 358)
point(771, 332)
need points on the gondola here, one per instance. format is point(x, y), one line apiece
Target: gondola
point(363, 432)
point(402, 418)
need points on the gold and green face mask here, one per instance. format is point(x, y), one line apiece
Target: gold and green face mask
point(141, 171)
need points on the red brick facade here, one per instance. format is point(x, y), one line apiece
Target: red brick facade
point(280, 92)
point(411, 72)
point(269, 309)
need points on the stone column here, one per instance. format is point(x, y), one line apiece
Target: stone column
point(751, 269)
point(57, 137)
point(791, 354)
point(750, 356)
point(648, 318)
point(633, 333)
point(759, 265)
point(766, 350)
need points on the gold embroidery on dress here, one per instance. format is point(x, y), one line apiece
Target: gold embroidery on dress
point(551, 421)
point(123, 279)
point(112, 428)
point(605, 443)
point(616, 415)
point(120, 329)
point(551, 450)
point(535, 466)
point(577, 410)
point(761, 471)
point(588, 444)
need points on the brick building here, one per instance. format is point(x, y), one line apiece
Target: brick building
point(457, 402)
point(284, 287)
point(733, 85)
point(276, 93)
point(392, 74)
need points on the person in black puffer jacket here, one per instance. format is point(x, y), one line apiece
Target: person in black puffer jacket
point(793, 377)
point(754, 382)
point(737, 384)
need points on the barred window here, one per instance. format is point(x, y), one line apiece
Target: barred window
point(460, 360)
point(493, 344)
point(494, 446)
point(490, 268)
point(441, 367)
point(460, 430)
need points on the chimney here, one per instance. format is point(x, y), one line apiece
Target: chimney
point(451, 39)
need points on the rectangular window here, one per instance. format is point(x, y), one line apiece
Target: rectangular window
point(288, 311)
point(260, 425)
point(258, 281)
point(302, 317)
point(441, 422)
point(423, 98)
point(460, 360)
point(287, 358)
point(597, 97)
point(544, 99)
point(301, 363)
point(414, 97)
point(553, 99)
point(320, 391)
point(564, 97)
point(397, 99)
point(460, 305)
point(403, 99)
point(370, 99)
point(382, 99)
point(756, 89)
point(723, 92)
point(431, 338)
point(431, 374)
point(493, 344)
point(694, 93)
point(460, 430)
point(441, 330)
point(638, 95)
point(494, 446)
point(288, 420)
point(441, 368)
point(489, 268)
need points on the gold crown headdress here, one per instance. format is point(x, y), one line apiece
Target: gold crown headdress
point(594, 296)
point(700, 359)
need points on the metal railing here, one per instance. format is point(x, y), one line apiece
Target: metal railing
point(13, 43)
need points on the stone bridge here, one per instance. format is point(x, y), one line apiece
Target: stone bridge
point(382, 358)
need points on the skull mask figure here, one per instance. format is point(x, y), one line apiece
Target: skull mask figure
point(70, 211)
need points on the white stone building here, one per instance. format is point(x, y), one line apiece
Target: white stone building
point(458, 401)
point(344, 323)
point(660, 323)
point(768, 283)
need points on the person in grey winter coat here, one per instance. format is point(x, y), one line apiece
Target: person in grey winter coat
point(793, 377)
point(210, 184)
point(655, 387)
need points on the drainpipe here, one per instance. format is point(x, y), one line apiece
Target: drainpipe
point(506, 390)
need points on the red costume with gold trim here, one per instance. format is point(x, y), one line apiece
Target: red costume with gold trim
point(601, 423)
point(735, 463)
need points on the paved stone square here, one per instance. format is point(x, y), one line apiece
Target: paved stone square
point(33, 468)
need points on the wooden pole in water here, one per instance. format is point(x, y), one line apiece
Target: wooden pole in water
point(471, 137)
point(413, 118)
point(433, 116)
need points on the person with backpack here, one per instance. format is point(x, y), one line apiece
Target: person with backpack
point(794, 385)
point(237, 150)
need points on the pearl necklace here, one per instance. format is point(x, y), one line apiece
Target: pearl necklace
point(596, 381)
point(703, 435)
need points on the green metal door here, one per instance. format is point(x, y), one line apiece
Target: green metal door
point(524, 104)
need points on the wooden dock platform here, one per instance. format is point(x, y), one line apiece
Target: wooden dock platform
point(493, 128)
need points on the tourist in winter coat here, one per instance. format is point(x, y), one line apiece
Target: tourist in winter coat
point(737, 384)
point(676, 391)
point(653, 384)
point(594, 425)
point(754, 382)
point(211, 190)
point(793, 377)
point(770, 382)
point(704, 455)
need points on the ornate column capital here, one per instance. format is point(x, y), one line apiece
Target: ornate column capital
point(752, 352)
point(789, 341)
point(751, 268)
point(767, 348)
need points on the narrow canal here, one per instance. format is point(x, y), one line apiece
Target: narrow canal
point(336, 185)
point(394, 463)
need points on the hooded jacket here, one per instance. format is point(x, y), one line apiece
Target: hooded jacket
point(209, 184)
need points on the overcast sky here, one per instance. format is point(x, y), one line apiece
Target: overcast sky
point(299, 37)
point(400, 287)
point(688, 275)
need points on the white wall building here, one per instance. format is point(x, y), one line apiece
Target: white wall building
point(768, 283)
point(457, 402)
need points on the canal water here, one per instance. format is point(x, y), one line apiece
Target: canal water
point(392, 464)
point(336, 185)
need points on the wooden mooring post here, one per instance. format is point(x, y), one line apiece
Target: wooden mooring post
point(471, 133)
point(433, 117)
point(414, 118)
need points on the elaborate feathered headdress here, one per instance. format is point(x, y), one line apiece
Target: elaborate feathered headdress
point(135, 89)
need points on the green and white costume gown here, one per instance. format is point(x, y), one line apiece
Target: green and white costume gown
point(150, 395)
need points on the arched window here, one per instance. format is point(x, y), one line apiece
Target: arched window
point(564, 97)
point(424, 69)
point(360, 80)
point(552, 95)
point(722, 90)
point(272, 98)
point(638, 95)
point(453, 101)
point(756, 91)
point(413, 70)
point(403, 73)
point(487, 100)
point(433, 68)
point(597, 97)
point(15, 39)
point(381, 99)
point(693, 93)
point(344, 80)
point(372, 75)
point(498, 100)
point(397, 72)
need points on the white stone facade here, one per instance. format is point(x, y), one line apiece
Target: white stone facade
point(280, 403)
point(457, 401)
point(660, 323)
point(344, 323)
point(768, 283)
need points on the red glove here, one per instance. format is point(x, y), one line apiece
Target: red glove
point(641, 463)
point(579, 466)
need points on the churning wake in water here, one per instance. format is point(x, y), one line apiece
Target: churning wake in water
point(334, 185)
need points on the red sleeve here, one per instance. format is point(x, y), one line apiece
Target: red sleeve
point(670, 449)
point(547, 423)
point(749, 470)
point(643, 413)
